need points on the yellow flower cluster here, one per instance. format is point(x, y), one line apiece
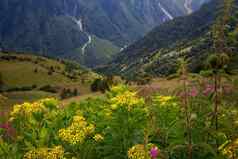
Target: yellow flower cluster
point(29, 108)
point(98, 137)
point(164, 100)
point(128, 99)
point(231, 149)
point(77, 131)
point(46, 153)
point(119, 89)
point(137, 152)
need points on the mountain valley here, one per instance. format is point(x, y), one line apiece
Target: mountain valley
point(118, 79)
point(65, 29)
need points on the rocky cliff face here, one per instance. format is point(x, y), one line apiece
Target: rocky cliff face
point(52, 28)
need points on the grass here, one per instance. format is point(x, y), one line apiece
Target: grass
point(80, 98)
point(99, 52)
point(17, 74)
point(106, 48)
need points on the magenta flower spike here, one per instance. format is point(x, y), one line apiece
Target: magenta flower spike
point(154, 152)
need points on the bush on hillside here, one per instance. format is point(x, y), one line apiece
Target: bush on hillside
point(68, 93)
point(49, 88)
point(101, 85)
point(23, 88)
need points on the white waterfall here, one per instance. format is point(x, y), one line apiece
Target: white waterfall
point(79, 22)
point(123, 48)
point(188, 6)
point(166, 12)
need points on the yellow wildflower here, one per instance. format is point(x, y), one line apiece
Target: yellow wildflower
point(119, 89)
point(27, 109)
point(128, 99)
point(98, 138)
point(77, 132)
point(137, 152)
point(46, 153)
point(229, 148)
point(164, 100)
point(89, 129)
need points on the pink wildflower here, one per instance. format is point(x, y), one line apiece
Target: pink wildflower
point(208, 90)
point(193, 92)
point(154, 152)
point(9, 131)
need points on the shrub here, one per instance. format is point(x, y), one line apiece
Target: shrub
point(67, 93)
point(100, 85)
point(75, 92)
point(49, 88)
point(23, 88)
point(50, 73)
point(35, 70)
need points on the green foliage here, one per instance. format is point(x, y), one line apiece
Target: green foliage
point(206, 73)
point(67, 93)
point(49, 88)
point(167, 118)
point(9, 150)
point(100, 85)
point(199, 152)
point(71, 66)
point(218, 61)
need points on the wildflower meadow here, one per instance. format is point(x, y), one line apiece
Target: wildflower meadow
point(123, 125)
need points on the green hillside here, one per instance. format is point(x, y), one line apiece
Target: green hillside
point(98, 52)
point(29, 77)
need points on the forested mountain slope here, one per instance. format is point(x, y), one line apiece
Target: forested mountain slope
point(157, 53)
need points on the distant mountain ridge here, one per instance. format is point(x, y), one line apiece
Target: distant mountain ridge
point(51, 28)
